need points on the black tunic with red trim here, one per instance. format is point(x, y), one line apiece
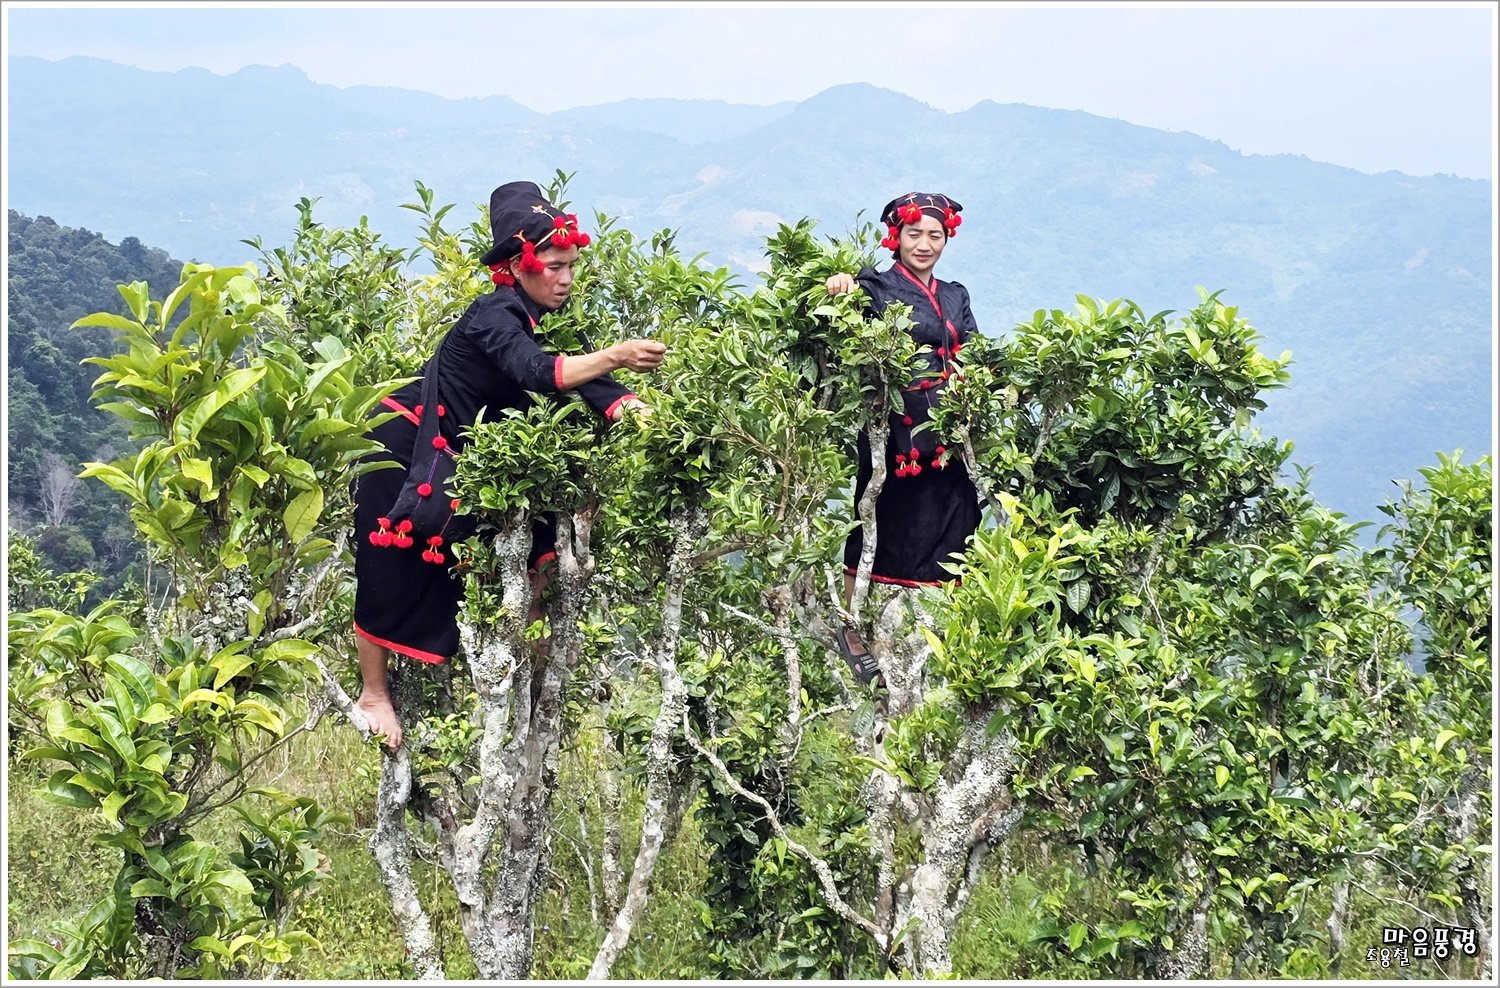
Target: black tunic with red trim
point(925, 514)
point(490, 359)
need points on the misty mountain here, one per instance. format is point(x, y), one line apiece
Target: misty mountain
point(1379, 284)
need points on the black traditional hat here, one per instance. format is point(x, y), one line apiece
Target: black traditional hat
point(911, 207)
point(522, 220)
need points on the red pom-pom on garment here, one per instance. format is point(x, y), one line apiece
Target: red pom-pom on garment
point(442, 411)
point(375, 539)
point(942, 351)
point(418, 411)
point(941, 449)
point(916, 468)
point(405, 525)
point(927, 384)
point(901, 457)
point(914, 456)
point(402, 541)
point(503, 278)
point(383, 522)
point(437, 558)
point(435, 541)
point(423, 490)
point(426, 555)
point(906, 420)
point(438, 442)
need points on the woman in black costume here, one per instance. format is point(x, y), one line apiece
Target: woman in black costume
point(406, 593)
point(928, 507)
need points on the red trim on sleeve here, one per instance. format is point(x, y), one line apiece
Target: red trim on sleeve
point(557, 373)
point(415, 653)
point(609, 412)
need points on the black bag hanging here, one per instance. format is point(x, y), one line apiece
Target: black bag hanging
point(425, 509)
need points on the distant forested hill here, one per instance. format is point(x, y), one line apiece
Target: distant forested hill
point(1378, 284)
point(56, 275)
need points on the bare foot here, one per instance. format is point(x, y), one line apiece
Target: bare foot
point(382, 717)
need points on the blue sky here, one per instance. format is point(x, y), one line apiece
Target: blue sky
point(1406, 87)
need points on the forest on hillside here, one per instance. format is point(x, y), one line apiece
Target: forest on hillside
point(57, 275)
point(1163, 726)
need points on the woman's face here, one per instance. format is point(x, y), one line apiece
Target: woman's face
point(549, 287)
point(922, 244)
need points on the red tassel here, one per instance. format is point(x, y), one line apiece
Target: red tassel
point(423, 490)
point(438, 442)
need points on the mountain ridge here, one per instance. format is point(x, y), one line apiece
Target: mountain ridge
point(1355, 272)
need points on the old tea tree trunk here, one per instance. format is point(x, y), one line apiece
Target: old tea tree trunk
point(497, 859)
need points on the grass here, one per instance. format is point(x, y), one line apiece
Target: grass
point(55, 873)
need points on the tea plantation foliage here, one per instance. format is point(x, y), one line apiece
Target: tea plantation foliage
point(1165, 665)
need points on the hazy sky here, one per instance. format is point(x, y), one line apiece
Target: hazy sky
point(1375, 87)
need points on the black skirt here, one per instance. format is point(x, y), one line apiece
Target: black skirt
point(921, 521)
point(400, 601)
